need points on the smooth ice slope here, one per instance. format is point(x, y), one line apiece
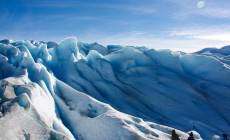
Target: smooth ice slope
point(183, 91)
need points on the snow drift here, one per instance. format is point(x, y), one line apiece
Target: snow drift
point(75, 90)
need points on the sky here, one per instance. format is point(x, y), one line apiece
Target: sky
point(185, 25)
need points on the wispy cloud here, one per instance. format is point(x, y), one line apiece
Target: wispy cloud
point(213, 9)
point(219, 37)
point(151, 40)
point(144, 8)
point(218, 34)
point(215, 12)
point(71, 16)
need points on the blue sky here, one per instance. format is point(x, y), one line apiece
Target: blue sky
point(186, 25)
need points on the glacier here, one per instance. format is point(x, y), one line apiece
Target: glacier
point(74, 90)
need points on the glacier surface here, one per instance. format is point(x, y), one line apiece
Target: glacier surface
point(73, 90)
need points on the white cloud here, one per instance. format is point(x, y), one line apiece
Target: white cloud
point(220, 37)
point(208, 33)
point(185, 43)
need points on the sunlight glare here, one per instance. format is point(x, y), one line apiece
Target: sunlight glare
point(200, 4)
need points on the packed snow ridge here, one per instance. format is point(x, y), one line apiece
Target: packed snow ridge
point(75, 90)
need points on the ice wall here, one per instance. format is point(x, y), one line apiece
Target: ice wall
point(183, 91)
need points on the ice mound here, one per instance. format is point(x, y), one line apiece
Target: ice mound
point(76, 90)
point(222, 54)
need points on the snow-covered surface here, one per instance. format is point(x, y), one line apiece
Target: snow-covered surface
point(88, 91)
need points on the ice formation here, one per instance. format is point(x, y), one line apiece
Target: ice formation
point(222, 54)
point(75, 90)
